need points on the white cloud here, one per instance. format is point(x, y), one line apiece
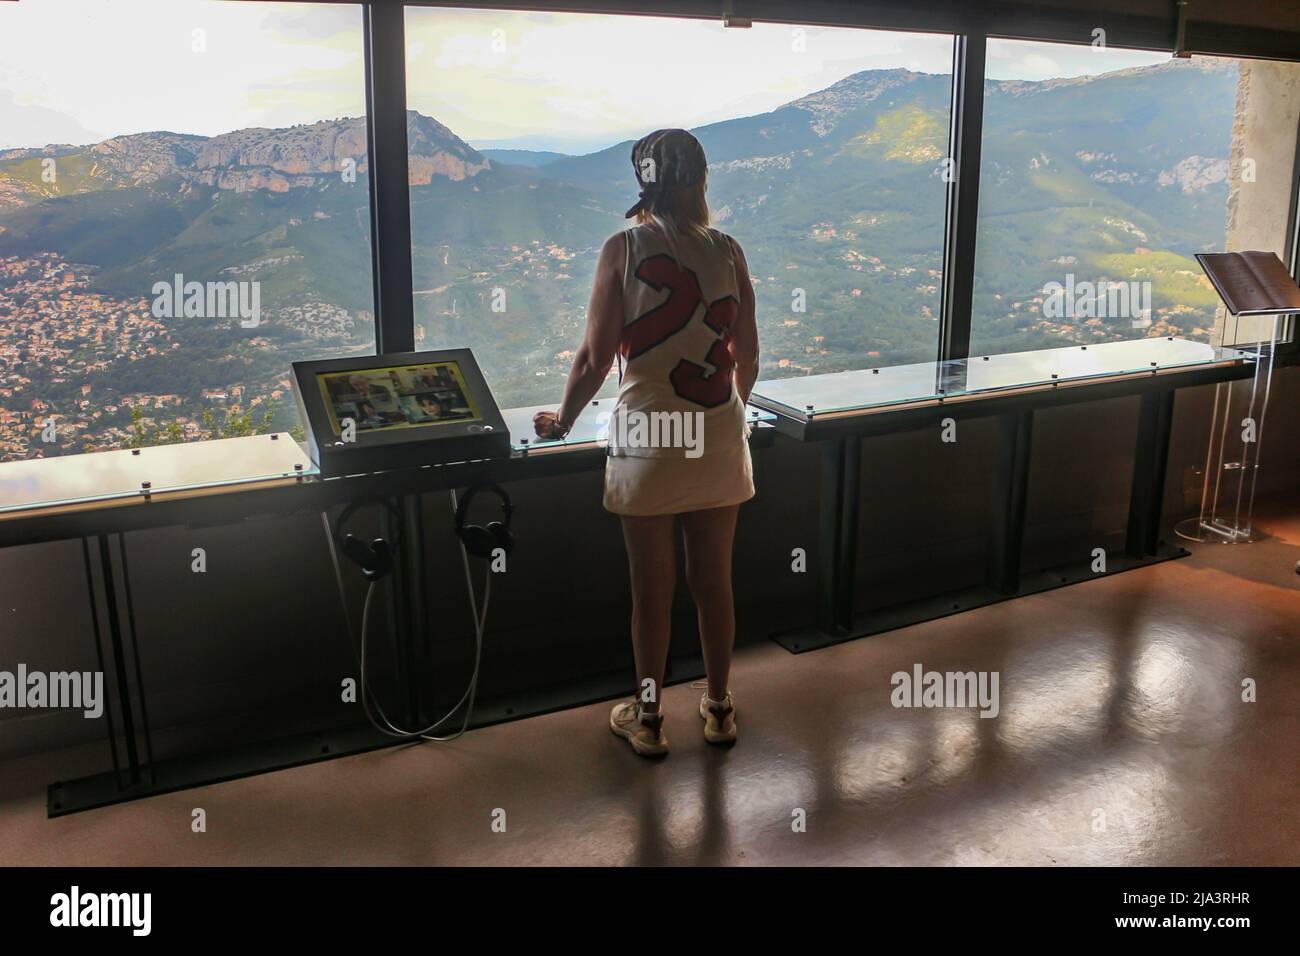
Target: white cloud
point(1036, 66)
point(130, 67)
point(554, 75)
point(110, 68)
point(1031, 60)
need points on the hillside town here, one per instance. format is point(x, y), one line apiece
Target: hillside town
point(63, 346)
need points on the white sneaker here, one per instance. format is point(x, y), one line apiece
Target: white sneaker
point(645, 732)
point(719, 720)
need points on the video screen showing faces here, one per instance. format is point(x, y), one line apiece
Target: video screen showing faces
point(397, 397)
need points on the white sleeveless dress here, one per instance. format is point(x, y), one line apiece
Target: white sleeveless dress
point(678, 435)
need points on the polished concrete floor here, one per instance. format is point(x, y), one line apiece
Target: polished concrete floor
point(1122, 738)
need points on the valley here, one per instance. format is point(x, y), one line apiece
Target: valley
point(837, 197)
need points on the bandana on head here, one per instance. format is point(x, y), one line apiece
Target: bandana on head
point(664, 158)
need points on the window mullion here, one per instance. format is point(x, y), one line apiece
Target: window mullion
point(390, 202)
point(963, 195)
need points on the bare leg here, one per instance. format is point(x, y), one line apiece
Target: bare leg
point(709, 536)
point(652, 563)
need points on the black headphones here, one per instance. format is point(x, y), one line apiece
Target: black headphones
point(482, 541)
point(376, 557)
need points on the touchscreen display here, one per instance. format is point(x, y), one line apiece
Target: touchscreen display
point(407, 396)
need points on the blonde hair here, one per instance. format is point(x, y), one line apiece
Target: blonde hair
point(678, 211)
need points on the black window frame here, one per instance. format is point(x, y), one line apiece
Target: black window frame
point(972, 24)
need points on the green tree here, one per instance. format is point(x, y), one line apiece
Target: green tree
point(142, 434)
point(235, 423)
point(238, 423)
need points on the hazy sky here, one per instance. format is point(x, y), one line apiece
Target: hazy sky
point(82, 70)
point(601, 79)
point(109, 67)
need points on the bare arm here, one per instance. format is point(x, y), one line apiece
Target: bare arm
point(599, 344)
point(744, 332)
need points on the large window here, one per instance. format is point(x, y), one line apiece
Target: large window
point(1103, 172)
point(826, 156)
point(184, 197)
point(183, 212)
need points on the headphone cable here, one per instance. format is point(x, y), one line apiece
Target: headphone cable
point(480, 621)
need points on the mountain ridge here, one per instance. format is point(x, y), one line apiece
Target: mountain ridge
point(274, 158)
point(839, 193)
point(281, 158)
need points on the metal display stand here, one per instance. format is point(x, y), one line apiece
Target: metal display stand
point(841, 410)
point(106, 496)
point(1251, 284)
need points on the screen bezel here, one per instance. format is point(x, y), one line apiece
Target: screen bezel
point(323, 380)
point(318, 419)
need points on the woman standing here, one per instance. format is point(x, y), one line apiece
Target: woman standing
point(672, 299)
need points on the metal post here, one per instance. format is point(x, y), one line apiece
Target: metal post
point(99, 656)
point(119, 660)
point(847, 546)
point(1150, 463)
point(828, 535)
point(1010, 499)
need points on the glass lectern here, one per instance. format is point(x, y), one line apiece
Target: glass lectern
point(1257, 292)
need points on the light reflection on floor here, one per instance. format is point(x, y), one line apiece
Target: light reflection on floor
point(1122, 738)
